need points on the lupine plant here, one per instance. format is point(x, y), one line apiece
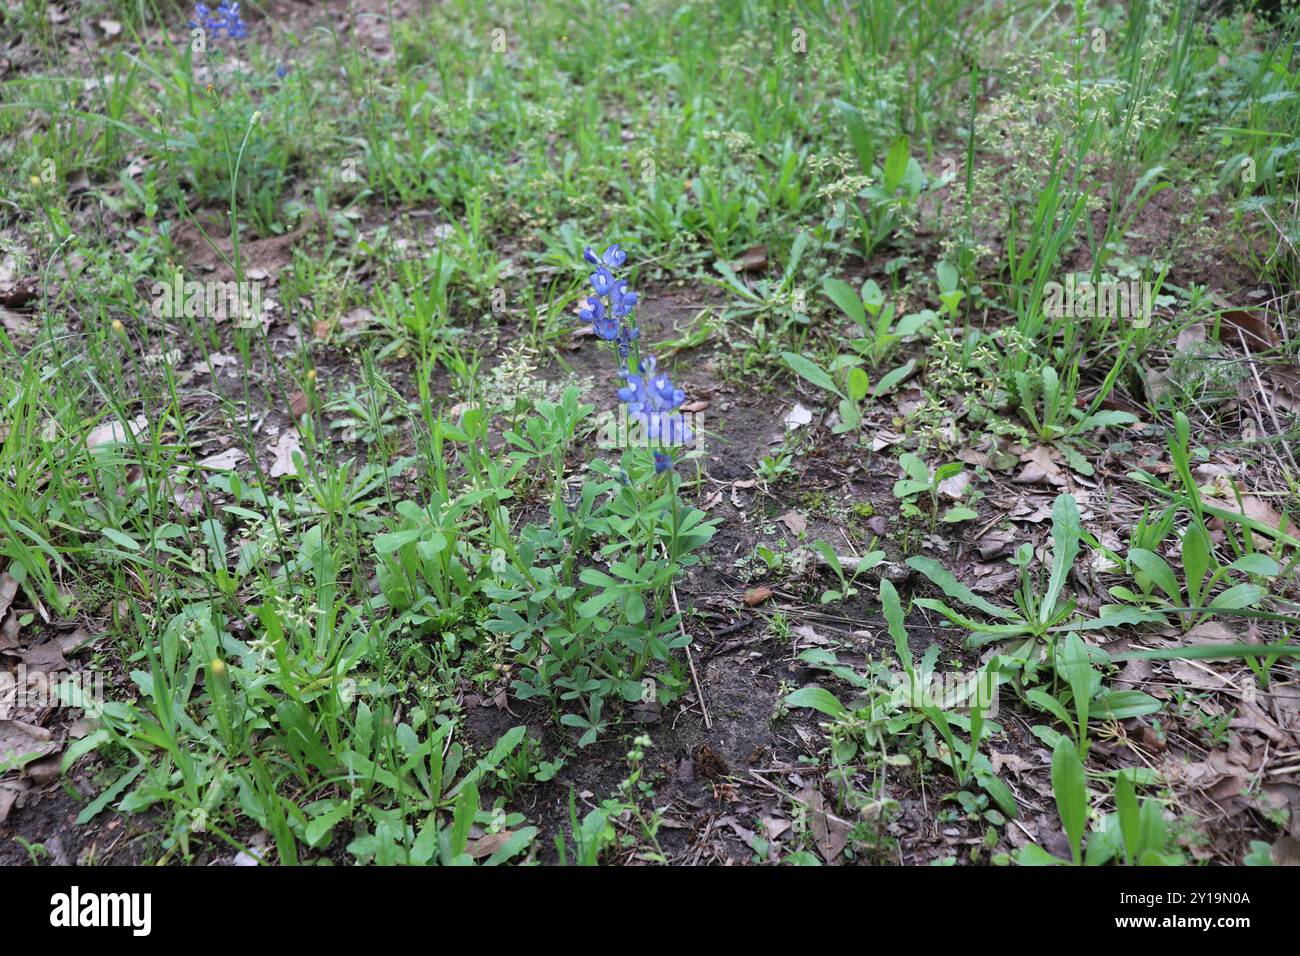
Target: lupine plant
point(583, 635)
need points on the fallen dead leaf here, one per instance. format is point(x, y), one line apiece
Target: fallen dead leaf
point(829, 831)
point(284, 449)
point(488, 844)
point(954, 487)
point(1251, 327)
point(115, 432)
point(223, 460)
point(756, 596)
point(20, 741)
point(797, 417)
point(8, 591)
point(1040, 467)
point(753, 259)
point(796, 522)
point(808, 634)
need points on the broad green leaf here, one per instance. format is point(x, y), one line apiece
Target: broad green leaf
point(1071, 794)
point(1066, 530)
point(1196, 560)
point(819, 699)
point(1242, 595)
point(807, 369)
point(842, 294)
point(1157, 570)
point(893, 611)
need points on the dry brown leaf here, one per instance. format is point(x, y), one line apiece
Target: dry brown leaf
point(1286, 852)
point(1040, 467)
point(954, 487)
point(796, 522)
point(115, 431)
point(829, 831)
point(754, 259)
point(756, 596)
point(223, 460)
point(488, 844)
point(19, 741)
point(808, 634)
point(1251, 327)
point(8, 591)
point(1212, 632)
point(283, 450)
point(10, 791)
point(1260, 510)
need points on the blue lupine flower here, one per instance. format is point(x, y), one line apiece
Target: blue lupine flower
point(652, 400)
point(663, 462)
point(281, 71)
point(622, 301)
point(626, 336)
point(226, 18)
point(613, 258)
point(602, 280)
point(604, 325)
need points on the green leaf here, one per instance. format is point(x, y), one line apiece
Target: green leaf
point(1126, 809)
point(1071, 794)
point(842, 294)
point(807, 369)
point(859, 384)
point(1035, 855)
point(1196, 560)
point(819, 699)
point(943, 579)
point(915, 468)
point(1256, 563)
point(1073, 663)
point(1242, 595)
point(1066, 530)
point(1158, 570)
point(1124, 704)
point(891, 379)
point(999, 792)
point(946, 275)
point(1045, 701)
point(396, 540)
point(893, 611)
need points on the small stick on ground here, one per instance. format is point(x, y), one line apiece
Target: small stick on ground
point(690, 659)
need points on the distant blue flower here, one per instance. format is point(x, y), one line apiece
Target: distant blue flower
point(281, 71)
point(225, 19)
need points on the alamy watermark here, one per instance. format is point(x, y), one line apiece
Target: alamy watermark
point(207, 300)
point(1087, 300)
point(26, 689)
point(959, 691)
